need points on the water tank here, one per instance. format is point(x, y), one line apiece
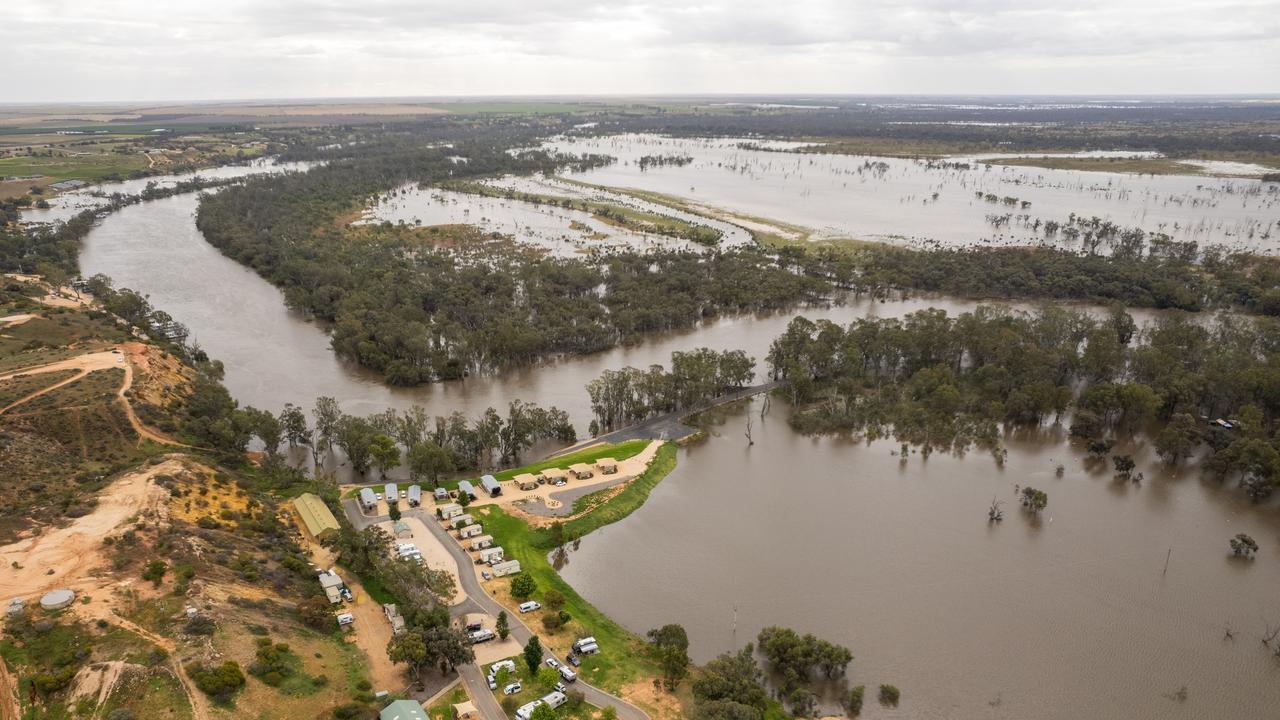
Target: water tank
point(58, 599)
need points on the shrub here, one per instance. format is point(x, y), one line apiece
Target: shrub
point(553, 599)
point(219, 682)
point(889, 695)
point(853, 703)
point(523, 585)
point(120, 714)
point(347, 711)
point(552, 623)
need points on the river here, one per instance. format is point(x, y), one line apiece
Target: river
point(1069, 616)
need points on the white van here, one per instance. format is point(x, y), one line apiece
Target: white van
point(345, 619)
point(530, 606)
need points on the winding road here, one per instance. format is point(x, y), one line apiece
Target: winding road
point(479, 601)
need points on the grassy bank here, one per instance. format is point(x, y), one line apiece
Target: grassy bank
point(624, 657)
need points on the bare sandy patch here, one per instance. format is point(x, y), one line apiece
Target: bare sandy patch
point(66, 557)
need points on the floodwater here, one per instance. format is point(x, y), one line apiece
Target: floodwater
point(1068, 616)
point(921, 204)
point(274, 355)
point(1065, 617)
point(555, 230)
point(68, 204)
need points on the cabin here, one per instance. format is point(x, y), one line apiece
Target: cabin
point(393, 617)
point(491, 555)
point(491, 486)
point(506, 567)
point(450, 510)
point(607, 466)
point(415, 495)
point(316, 517)
point(391, 494)
point(401, 529)
point(458, 521)
point(441, 494)
point(332, 585)
point(553, 474)
point(465, 486)
point(481, 542)
point(368, 500)
point(581, 471)
point(526, 481)
point(470, 531)
point(403, 710)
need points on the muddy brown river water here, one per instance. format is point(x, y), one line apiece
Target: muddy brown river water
point(1068, 616)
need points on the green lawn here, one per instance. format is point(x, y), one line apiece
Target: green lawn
point(623, 657)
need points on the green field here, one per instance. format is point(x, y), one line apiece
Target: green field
point(75, 167)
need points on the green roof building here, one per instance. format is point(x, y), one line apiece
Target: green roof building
point(403, 710)
point(315, 515)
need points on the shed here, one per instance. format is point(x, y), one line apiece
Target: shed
point(415, 495)
point(554, 474)
point(441, 494)
point(450, 510)
point(465, 711)
point(506, 567)
point(526, 481)
point(401, 529)
point(607, 466)
point(491, 555)
point(58, 599)
point(316, 516)
point(466, 487)
point(391, 494)
point(470, 531)
point(367, 498)
point(481, 542)
point(490, 485)
point(403, 710)
point(582, 471)
point(332, 585)
point(458, 521)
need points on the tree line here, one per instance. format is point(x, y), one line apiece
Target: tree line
point(623, 397)
point(950, 382)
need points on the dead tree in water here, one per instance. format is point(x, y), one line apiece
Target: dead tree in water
point(750, 442)
point(994, 513)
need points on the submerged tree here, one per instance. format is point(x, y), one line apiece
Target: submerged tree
point(1243, 546)
point(1034, 500)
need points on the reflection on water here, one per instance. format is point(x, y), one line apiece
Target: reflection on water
point(1067, 616)
point(919, 203)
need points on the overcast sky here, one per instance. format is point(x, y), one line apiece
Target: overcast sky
point(159, 50)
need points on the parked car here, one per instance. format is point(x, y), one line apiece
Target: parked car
point(378, 495)
point(553, 663)
point(560, 482)
point(484, 574)
point(493, 683)
point(529, 606)
point(346, 595)
point(560, 687)
point(573, 659)
point(404, 494)
point(512, 689)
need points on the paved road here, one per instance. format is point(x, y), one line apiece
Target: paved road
point(479, 601)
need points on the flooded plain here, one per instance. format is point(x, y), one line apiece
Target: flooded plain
point(1068, 616)
point(922, 203)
